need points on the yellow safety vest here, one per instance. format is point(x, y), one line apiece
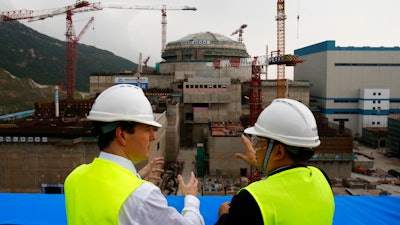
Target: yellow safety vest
point(95, 192)
point(301, 195)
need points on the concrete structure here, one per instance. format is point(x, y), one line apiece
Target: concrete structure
point(100, 82)
point(189, 96)
point(209, 94)
point(393, 134)
point(222, 143)
point(354, 87)
point(26, 165)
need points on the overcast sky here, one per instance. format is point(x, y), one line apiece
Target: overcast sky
point(126, 33)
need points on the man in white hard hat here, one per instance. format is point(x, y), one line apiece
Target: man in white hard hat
point(292, 192)
point(109, 190)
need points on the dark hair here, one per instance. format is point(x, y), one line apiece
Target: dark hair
point(299, 154)
point(106, 135)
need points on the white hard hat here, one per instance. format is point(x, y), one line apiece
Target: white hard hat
point(287, 121)
point(123, 102)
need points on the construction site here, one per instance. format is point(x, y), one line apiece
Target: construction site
point(205, 92)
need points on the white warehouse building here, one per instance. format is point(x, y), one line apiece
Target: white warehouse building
point(354, 87)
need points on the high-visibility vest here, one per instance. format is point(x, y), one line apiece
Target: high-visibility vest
point(300, 195)
point(95, 192)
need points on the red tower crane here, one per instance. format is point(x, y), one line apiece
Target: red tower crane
point(72, 53)
point(255, 101)
point(71, 39)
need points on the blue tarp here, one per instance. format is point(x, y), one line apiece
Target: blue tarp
point(48, 209)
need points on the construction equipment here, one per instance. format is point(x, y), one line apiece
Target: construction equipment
point(280, 18)
point(71, 39)
point(255, 101)
point(279, 57)
point(240, 32)
point(145, 63)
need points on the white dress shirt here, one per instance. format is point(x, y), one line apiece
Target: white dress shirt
point(148, 206)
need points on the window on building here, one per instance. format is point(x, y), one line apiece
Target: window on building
point(200, 105)
point(345, 100)
point(243, 172)
point(189, 116)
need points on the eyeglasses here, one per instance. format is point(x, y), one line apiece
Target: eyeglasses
point(259, 143)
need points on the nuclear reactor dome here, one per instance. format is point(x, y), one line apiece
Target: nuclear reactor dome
point(205, 46)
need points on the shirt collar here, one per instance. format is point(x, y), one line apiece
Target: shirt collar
point(281, 169)
point(123, 162)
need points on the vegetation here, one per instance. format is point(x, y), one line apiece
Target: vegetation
point(21, 94)
point(28, 54)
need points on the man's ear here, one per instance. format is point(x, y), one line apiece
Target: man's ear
point(120, 135)
point(280, 151)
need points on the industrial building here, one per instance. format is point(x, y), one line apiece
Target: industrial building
point(354, 87)
point(393, 134)
point(207, 94)
point(205, 105)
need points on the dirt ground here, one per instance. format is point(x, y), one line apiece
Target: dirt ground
point(374, 184)
point(363, 184)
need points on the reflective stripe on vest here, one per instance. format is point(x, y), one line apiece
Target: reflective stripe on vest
point(301, 195)
point(95, 192)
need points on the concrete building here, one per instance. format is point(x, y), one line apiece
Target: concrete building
point(222, 143)
point(354, 87)
point(189, 96)
point(207, 95)
point(27, 163)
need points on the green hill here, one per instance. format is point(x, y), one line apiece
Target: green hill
point(27, 53)
point(21, 94)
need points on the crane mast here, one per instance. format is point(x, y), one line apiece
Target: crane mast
point(163, 28)
point(280, 18)
point(72, 53)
